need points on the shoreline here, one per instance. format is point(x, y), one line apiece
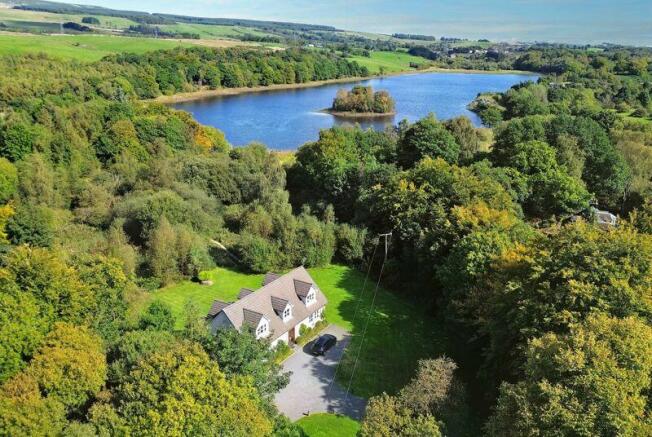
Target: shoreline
point(205, 94)
point(344, 114)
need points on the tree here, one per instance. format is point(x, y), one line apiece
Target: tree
point(180, 391)
point(70, 365)
point(552, 189)
point(21, 329)
point(466, 135)
point(592, 381)
point(16, 140)
point(58, 291)
point(109, 285)
point(134, 346)
point(8, 180)
point(556, 283)
point(158, 316)
point(350, 243)
point(431, 387)
point(385, 416)
point(6, 212)
point(33, 225)
point(194, 323)
point(427, 137)
point(24, 410)
point(163, 252)
point(240, 353)
point(556, 192)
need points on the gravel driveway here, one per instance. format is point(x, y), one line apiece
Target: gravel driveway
point(308, 391)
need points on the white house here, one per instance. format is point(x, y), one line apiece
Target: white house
point(277, 310)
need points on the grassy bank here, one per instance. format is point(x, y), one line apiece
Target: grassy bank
point(386, 360)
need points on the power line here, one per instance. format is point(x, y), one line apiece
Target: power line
point(355, 313)
point(388, 238)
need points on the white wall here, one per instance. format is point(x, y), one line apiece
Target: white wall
point(306, 321)
point(284, 338)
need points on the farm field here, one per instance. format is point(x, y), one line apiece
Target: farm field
point(48, 18)
point(81, 47)
point(213, 31)
point(392, 62)
point(386, 361)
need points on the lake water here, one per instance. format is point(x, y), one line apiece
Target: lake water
point(286, 119)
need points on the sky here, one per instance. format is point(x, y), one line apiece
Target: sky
point(574, 21)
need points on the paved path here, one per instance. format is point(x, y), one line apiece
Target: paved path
point(308, 391)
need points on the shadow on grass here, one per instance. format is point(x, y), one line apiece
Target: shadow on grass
point(397, 334)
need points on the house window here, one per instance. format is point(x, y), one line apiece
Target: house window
point(287, 313)
point(262, 330)
point(312, 317)
point(310, 297)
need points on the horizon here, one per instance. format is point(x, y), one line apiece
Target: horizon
point(584, 21)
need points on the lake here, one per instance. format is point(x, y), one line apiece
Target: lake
point(286, 119)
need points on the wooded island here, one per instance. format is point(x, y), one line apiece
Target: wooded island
point(362, 101)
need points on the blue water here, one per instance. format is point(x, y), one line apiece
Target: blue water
point(285, 119)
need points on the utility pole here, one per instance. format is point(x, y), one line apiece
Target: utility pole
point(388, 239)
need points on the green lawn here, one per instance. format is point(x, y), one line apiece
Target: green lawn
point(81, 47)
point(393, 62)
point(398, 334)
point(226, 286)
point(329, 425)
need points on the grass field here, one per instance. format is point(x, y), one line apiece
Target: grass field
point(81, 47)
point(392, 62)
point(212, 31)
point(329, 425)
point(47, 17)
point(398, 334)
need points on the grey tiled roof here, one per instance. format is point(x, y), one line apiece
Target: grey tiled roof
point(270, 277)
point(279, 304)
point(263, 302)
point(251, 317)
point(244, 292)
point(217, 306)
point(302, 288)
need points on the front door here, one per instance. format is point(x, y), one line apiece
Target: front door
point(291, 336)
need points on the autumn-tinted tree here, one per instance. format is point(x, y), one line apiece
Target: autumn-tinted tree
point(180, 391)
point(591, 381)
point(386, 416)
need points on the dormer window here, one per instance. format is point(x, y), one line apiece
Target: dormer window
point(310, 297)
point(262, 329)
point(287, 314)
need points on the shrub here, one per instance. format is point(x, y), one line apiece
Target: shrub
point(282, 351)
point(157, 317)
point(306, 334)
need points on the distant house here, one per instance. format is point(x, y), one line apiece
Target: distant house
point(604, 218)
point(276, 311)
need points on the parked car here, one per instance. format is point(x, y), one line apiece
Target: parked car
point(323, 344)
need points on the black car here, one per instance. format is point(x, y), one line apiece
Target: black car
point(322, 344)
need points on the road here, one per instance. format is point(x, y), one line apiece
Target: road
point(310, 390)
